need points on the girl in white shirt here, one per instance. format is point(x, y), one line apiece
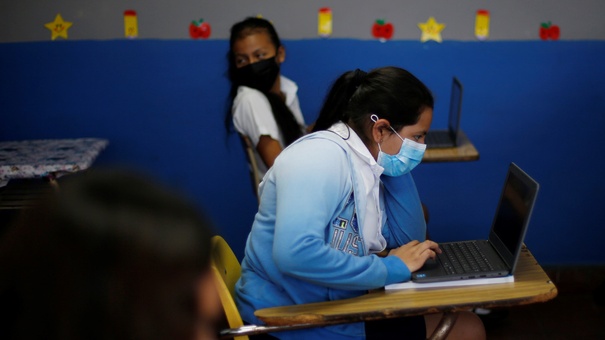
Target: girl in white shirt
point(265, 105)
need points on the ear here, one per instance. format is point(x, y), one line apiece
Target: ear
point(380, 130)
point(281, 54)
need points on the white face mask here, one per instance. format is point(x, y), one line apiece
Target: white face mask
point(409, 156)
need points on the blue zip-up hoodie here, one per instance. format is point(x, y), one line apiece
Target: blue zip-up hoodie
point(305, 244)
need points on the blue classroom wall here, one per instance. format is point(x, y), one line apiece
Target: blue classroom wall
point(161, 105)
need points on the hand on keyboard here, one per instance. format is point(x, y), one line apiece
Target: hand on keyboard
point(415, 253)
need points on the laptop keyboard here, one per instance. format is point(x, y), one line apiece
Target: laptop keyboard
point(463, 257)
point(438, 139)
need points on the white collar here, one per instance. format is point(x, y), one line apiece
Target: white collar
point(357, 145)
point(367, 192)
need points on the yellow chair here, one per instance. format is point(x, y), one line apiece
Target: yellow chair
point(227, 271)
point(234, 320)
point(226, 263)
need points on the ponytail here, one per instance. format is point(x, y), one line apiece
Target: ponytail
point(337, 100)
point(391, 93)
point(284, 118)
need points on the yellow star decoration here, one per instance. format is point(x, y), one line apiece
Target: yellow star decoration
point(58, 27)
point(431, 30)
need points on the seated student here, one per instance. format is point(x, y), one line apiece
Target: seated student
point(108, 256)
point(265, 105)
point(336, 198)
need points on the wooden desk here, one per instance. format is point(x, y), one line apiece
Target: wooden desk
point(531, 285)
point(466, 151)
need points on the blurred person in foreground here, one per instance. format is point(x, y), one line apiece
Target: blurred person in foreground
point(110, 255)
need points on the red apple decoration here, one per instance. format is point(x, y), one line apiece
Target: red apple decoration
point(549, 31)
point(199, 29)
point(382, 29)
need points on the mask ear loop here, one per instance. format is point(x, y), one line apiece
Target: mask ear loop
point(374, 118)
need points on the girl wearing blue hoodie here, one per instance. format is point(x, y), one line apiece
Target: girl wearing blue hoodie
point(339, 212)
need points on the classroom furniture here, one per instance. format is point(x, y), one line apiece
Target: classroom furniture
point(227, 270)
point(232, 317)
point(464, 152)
point(226, 263)
point(531, 285)
point(252, 165)
point(47, 157)
point(29, 168)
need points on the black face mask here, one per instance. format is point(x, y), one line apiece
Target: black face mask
point(260, 75)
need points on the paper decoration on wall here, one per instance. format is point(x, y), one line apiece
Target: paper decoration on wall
point(58, 28)
point(549, 31)
point(431, 30)
point(131, 26)
point(382, 30)
point(324, 22)
point(482, 24)
point(199, 29)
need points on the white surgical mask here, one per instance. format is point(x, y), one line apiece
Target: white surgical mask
point(409, 156)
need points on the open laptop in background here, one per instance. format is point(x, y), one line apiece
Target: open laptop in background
point(448, 138)
point(498, 255)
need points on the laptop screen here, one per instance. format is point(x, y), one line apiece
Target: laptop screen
point(455, 109)
point(514, 211)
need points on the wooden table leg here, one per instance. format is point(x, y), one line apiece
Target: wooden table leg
point(445, 326)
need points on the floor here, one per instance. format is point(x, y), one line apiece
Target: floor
point(578, 312)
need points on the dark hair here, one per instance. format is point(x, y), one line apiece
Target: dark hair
point(391, 93)
point(245, 28)
point(284, 118)
point(108, 256)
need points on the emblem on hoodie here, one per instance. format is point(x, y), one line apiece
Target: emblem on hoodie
point(345, 238)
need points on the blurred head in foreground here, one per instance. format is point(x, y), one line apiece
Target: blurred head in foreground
point(110, 255)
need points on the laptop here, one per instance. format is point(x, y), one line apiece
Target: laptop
point(448, 138)
point(498, 255)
